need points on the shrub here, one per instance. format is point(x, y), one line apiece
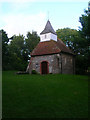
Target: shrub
point(34, 72)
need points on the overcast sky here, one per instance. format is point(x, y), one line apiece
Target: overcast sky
point(21, 16)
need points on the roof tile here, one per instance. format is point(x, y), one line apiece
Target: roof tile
point(50, 47)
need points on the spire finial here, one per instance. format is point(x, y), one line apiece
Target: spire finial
point(48, 15)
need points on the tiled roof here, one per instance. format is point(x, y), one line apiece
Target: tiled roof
point(50, 47)
point(63, 47)
point(48, 28)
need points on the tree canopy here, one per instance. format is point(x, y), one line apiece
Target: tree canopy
point(85, 33)
point(31, 41)
point(5, 50)
point(16, 50)
point(71, 38)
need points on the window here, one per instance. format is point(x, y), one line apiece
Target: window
point(45, 36)
point(36, 65)
point(58, 61)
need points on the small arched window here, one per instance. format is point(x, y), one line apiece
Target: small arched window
point(58, 61)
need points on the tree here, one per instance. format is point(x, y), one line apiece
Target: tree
point(31, 41)
point(85, 33)
point(72, 39)
point(85, 23)
point(67, 35)
point(18, 53)
point(5, 50)
point(20, 49)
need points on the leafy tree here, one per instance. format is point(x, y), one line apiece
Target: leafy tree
point(31, 41)
point(85, 23)
point(18, 53)
point(15, 53)
point(5, 50)
point(67, 35)
point(85, 33)
point(72, 39)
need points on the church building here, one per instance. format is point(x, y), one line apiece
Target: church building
point(51, 55)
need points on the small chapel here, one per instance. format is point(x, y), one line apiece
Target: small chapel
point(51, 55)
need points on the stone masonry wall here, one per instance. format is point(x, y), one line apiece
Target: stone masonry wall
point(52, 61)
point(68, 62)
point(58, 63)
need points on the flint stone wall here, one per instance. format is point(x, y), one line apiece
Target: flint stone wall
point(58, 63)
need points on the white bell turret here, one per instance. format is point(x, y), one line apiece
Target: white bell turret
point(48, 33)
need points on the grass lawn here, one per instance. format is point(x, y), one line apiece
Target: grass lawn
point(44, 96)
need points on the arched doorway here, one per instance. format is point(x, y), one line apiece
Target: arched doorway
point(44, 67)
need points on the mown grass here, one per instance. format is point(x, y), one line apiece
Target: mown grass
point(44, 96)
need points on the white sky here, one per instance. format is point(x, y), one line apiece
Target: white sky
point(44, 0)
point(21, 16)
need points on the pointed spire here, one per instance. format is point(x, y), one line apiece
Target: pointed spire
point(48, 29)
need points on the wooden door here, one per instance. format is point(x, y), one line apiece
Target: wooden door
point(44, 67)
